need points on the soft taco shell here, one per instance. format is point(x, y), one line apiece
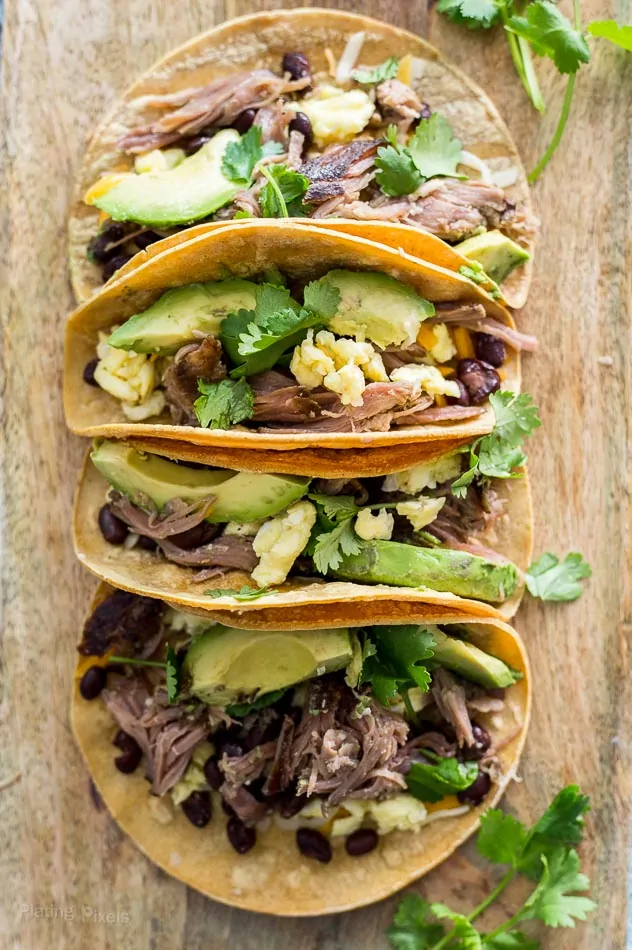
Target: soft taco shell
point(205, 860)
point(302, 253)
point(261, 40)
point(311, 603)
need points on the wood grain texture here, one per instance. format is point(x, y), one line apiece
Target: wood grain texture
point(63, 62)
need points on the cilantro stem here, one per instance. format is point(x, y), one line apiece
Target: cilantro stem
point(135, 662)
point(506, 925)
point(500, 887)
point(275, 188)
point(408, 706)
point(522, 59)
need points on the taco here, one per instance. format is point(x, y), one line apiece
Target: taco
point(268, 335)
point(305, 112)
point(213, 538)
point(355, 759)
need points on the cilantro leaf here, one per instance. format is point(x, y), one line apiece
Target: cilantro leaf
point(561, 824)
point(397, 173)
point(240, 157)
point(463, 930)
point(551, 579)
point(612, 31)
point(497, 459)
point(502, 837)
point(431, 783)
point(405, 649)
point(386, 70)
point(551, 34)
point(511, 940)
point(244, 593)
point(173, 674)
point(242, 213)
point(555, 900)
point(332, 545)
point(282, 195)
point(516, 416)
point(336, 507)
point(321, 297)
point(223, 404)
point(239, 710)
point(434, 148)
point(385, 684)
point(475, 14)
point(410, 929)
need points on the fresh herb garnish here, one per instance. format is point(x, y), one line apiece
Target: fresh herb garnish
point(497, 455)
point(432, 782)
point(241, 157)
point(223, 404)
point(544, 853)
point(239, 710)
point(396, 173)
point(405, 650)
point(172, 667)
point(386, 70)
point(540, 28)
point(322, 297)
point(432, 150)
point(282, 195)
point(244, 593)
point(551, 579)
point(332, 545)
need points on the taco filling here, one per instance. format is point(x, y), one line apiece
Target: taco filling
point(361, 352)
point(434, 526)
point(338, 734)
point(356, 142)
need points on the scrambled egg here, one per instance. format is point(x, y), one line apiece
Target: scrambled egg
point(131, 378)
point(412, 481)
point(158, 160)
point(420, 511)
point(444, 349)
point(340, 365)
point(375, 527)
point(400, 813)
point(246, 529)
point(336, 116)
point(427, 378)
point(193, 779)
point(280, 541)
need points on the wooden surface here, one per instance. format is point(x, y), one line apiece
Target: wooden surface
point(60, 855)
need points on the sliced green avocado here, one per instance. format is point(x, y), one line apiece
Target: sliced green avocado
point(172, 321)
point(225, 665)
point(497, 254)
point(239, 496)
point(190, 191)
point(440, 569)
point(371, 305)
point(473, 664)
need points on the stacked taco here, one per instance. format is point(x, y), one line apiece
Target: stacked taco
point(305, 495)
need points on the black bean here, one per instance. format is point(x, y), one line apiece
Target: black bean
point(290, 804)
point(244, 120)
point(313, 844)
point(99, 248)
point(213, 774)
point(479, 378)
point(92, 682)
point(228, 809)
point(297, 65)
point(241, 838)
point(361, 842)
point(490, 349)
point(482, 742)
point(232, 749)
point(112, 528)
point(201, 534)
point(147, 544)
point(131, 755)
point(301, 123)
point(198, 808)
point(88, 372)
point(477, 791)
point(463, 399)
point(114, 264)
point(195, 143)
point(146, 238)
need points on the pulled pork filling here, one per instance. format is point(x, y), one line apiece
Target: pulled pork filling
point(292, 111)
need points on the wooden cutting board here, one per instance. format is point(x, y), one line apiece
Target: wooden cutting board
point(69, 878)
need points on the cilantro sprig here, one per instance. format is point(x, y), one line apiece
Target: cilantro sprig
point(224, 404)
point(241, 157)
point(551, 579)
point(333, 535)
point(544, 853)
point(172, 667)
point(539, 27)
point(282, 195)
point(244, 593)
point(430, 782)
point(371, 77)
point(431, 151)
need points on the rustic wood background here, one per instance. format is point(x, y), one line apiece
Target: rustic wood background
point(63, 863)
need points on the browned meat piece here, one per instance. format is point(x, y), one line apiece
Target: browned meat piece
point(231, 551)
point(176, 517)
point(338, 170)
point(193, 362)
point(427, 417)
point(449, 696)
point(398, 103)
point(123, 622)
point(243, 803)
point(216, 105)
point(273, 121)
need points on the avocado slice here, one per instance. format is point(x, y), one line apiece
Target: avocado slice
point(468, 661)
point(497, 254)
point(225, 665)
point(239, 496)
point(371, 305)
point(181, 195)
point(440, 569)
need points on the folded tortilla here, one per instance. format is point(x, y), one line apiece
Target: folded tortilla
point(260, 40)
point(301, 252)
point(204, 859)
point(308, 602)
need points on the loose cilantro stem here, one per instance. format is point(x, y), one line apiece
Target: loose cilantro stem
point(566, 110)
point(500, 887)
point(270, 179)
point(507, 924)
point(135, 662)
point(523, 61)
